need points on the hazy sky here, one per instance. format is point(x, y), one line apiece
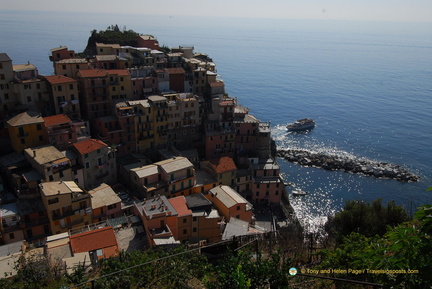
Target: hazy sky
point(387, 10)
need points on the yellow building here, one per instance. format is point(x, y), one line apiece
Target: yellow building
point(144, 127)
point(26, 130)
point(67, 205)
point(64, 95)
point(70, 67)
point(107, 49)
point(120, 84)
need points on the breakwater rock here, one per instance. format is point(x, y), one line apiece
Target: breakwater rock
point(348, 164)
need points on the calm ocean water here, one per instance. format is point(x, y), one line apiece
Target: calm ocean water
point(368, 85)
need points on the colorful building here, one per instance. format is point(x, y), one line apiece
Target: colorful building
point(64, 96)
point(27, 130)
point(98, 162)
point(105, 203)
point(60, 131)
point(66, 204)
point(230, 204)
point(51, 164)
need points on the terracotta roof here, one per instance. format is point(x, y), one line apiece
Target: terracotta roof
point(56, 119)
point(28, 117)
point(118, 71)
point(175, 70)
point(217, 84)
point(179, 204)
point(57, 79)
point(87, 73)
point(88, 146)
point(94, 240)
point(227, 103)
point(224, 164)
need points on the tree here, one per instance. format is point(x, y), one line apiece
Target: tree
point(365, 218)
point(403, 253)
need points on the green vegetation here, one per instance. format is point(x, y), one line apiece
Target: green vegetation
point(241, 270)
point(112, 35)
point(365, 218)
point(405, 250)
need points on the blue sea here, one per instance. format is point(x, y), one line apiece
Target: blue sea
point(368, 85)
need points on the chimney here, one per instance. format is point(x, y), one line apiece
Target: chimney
point(34, 154)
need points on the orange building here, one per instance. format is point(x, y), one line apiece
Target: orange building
point(230, 204)
point(99, 243)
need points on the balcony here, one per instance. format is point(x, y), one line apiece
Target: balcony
point(102, 176)
point(71, 224)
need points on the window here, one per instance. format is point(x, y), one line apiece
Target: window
point(2, 77)
point(184, 231)
point(39, 127)
point(194, 230)
point(238, 217)
point(41, 138)
point(87, 165)
point(29, 98)
point(194, 219)
point(67, 210)
point(59, 88)
point(11, 236)
point(238, 208)
point(71, 86)
point(37, 85)
point(86, 156)
point(113, 206)
point(6, 95)
point(23, 141)
point(184, 220)
point(63, 66)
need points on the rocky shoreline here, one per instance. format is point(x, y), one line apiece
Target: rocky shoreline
point(348, 164)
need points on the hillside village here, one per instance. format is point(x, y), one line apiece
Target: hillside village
point(130, 138)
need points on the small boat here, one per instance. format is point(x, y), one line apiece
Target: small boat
point(298, 192)
point(301, 124)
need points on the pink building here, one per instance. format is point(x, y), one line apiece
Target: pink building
point(268, 185)
point(61, 133)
